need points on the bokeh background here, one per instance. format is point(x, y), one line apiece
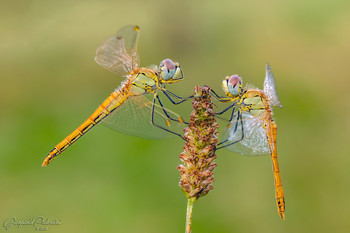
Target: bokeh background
point(110, 182)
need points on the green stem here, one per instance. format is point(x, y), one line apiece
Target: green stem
point(190, 202)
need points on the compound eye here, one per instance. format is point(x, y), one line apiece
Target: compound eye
point(234, 84)
point(167, 69)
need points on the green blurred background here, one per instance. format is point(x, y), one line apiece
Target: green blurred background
point(110, 182)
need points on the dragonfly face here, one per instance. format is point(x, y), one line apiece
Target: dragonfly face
point(169, 72)
point(232, 85)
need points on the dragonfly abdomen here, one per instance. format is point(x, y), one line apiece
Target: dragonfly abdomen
point(276, 171)
point(115, 100)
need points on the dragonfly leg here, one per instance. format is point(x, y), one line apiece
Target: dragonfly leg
point(239, 118)
point(220, 98)
point(226, 109)
point(225, 99)
point(232, 113)
point(152, 118)
point(166, 112)
point(182, 99)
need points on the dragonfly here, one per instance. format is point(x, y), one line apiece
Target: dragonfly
point(251, 129)
point(127, 109)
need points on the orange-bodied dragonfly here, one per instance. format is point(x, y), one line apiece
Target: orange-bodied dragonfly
point(127, 109)
point(252, 130)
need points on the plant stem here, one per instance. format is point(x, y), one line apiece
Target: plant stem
point(190, 202)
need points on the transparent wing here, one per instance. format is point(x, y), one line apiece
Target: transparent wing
point(248, 133)
point(119, 52)
point(270, 87)
point(153, 67)
point(133, 117)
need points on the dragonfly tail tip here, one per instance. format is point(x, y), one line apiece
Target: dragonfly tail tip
point(45, 163)
point(282, 216)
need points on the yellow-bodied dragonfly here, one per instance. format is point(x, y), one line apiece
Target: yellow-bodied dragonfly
point(127, 109)
point(251, 129)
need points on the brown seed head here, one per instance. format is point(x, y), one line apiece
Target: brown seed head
point(199, 150)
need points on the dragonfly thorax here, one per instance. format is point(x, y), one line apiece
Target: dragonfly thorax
point(144, 81)
point(255, 102)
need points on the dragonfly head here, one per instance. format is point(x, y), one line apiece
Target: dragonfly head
point(170, 72)
point(232, 85)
